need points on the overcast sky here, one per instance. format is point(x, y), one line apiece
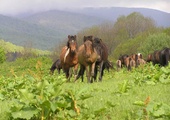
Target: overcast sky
point(13, 7)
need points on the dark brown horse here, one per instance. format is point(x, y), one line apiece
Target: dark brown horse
point(87, 56)
point(160, 57)
point(101, 62)
point(122, 58)
point(69, 57)
point(164, 56)
point(56, 65)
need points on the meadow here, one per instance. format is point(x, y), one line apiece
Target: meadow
point(28, 91)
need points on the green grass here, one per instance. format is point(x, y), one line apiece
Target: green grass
point(113, 98)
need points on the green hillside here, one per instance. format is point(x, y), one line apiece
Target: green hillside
point(9, 47)
point(43, 30)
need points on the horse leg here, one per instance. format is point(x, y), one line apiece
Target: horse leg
point(80, 73)
point(67, 74)
point(75, 71)
point(101, 71)
point(88, 73)
point(95, 73)
point(92, 71)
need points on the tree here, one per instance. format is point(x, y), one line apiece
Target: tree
point(155, 42)
point(133, 24)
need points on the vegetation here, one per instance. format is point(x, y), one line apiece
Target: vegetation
point(28, 91)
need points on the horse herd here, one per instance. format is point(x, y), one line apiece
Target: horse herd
point(160, 57)
point(92, 57)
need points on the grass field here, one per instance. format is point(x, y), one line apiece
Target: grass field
point(28, 91)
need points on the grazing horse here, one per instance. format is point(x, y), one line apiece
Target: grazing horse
point(164, 56)
point(156, 57)
point(68, 56)
point(149, 58)
point(140, 61)
point(160, 57)
point(118, 65)
point(56, 65)
point(122, 58)
point(129, 62)
point(101, 62)
point(87, 56)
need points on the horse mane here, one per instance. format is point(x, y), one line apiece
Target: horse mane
point(101, 47)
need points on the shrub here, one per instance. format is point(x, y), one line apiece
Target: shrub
point(155, 42)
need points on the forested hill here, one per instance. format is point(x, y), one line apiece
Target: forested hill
point(112, 13)
point(44, 30)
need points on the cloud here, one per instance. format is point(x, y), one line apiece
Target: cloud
point(21, 6)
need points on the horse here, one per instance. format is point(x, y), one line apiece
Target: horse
point(56, 65)
point(68, 56)
point(160, 57)
point(164, 56)
point(118, 65)
point(101, 62)
point(156, 57)
point(140, 61)
point(149, 58)
point(122, 58)
point(87, 57)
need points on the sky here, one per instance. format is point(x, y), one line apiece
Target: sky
point(14, 7)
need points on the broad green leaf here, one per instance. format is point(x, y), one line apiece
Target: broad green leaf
point(25, 96)
point(139, 103)
point(24, 114)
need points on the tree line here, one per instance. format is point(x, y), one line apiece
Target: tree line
point(129, 34)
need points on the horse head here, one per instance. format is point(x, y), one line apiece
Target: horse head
point(88, 45)
point(149, 58)
point(72, 43)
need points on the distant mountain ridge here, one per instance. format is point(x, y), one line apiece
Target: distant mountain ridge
point(46, 29)
point(112, 13)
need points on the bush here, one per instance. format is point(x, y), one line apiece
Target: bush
point(155, 42)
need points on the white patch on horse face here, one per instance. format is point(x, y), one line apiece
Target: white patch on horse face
point(139, 54)
point(72, 41)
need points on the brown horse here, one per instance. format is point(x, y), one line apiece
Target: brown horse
point(118, 65)
point(140, 61)
point(69, 57)
point(87, 56)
